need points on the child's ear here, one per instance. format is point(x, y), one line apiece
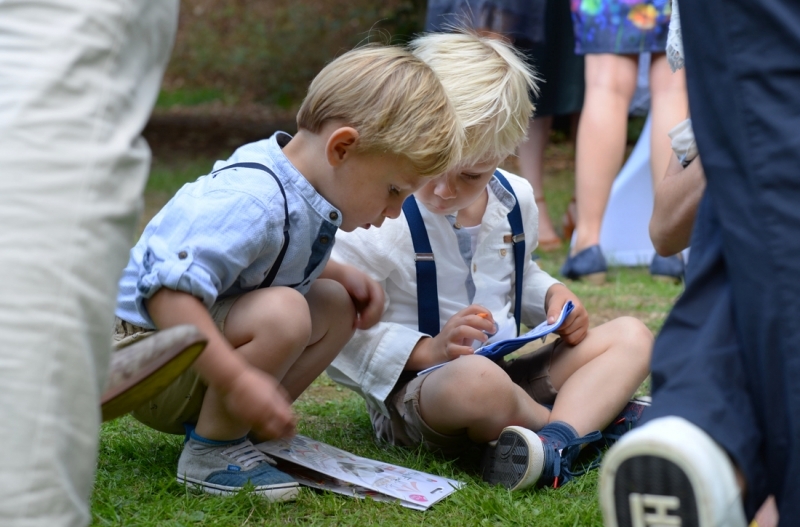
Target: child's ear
point(340, 145)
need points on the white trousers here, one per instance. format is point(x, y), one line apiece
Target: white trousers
point(78, 79)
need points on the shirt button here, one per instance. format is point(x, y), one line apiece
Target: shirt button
point(182, 255)
point(503, 252)
point(323, 239)
point(334, 215)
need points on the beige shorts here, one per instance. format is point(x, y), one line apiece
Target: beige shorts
point(180, 402)
point(405, 427)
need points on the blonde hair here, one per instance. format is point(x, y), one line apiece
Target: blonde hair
point(395, 102)
point(488, 83)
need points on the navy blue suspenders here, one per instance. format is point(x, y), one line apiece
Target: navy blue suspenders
point(273, 271)
point(427, 293)
point(518, 243)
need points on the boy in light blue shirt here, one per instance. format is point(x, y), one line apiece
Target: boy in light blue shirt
point(242, 253)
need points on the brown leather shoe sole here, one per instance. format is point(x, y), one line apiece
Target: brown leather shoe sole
point(142, 370)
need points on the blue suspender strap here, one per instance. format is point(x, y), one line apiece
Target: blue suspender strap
point(273, 271)
point(518, 241)
point(427, 292)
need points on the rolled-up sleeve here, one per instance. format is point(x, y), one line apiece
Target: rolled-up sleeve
point(201, 246)
point(371, 363)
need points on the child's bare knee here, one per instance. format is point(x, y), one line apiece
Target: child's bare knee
point(477, 382)
point(637, 338)
point(333, 293)
point(331, 298)
point(288, 311)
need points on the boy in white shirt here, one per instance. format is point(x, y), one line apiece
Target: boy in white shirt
point(588, 375)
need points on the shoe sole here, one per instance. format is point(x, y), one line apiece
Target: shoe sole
point(647, 480)
point(666, 279)
point(595, 278)
point(516, 462)
point(275, 493)
point(153, 377)
point(650, 490)
point(592, 278)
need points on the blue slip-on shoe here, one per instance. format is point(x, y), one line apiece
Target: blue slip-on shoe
point(227, 468)
point(669, 268)
point(521, 458)
point(627, 419)
point(588, 264)
point(669, 472)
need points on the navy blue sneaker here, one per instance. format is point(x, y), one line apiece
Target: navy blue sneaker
point(227, 468)
point(588, 264)
point(522, 458)
point(627, 419)
point(669, 268)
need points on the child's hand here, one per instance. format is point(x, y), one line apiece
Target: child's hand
point(257, 399)
point(575, 327)
point(455, 339)
point(367, 294)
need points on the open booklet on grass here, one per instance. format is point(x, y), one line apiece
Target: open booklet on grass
point(501, 348)
point(322, 466)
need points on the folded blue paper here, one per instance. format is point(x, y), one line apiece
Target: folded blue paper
point(501, 348)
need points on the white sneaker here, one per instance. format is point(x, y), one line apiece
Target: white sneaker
point(515, 460)
point(669, 473)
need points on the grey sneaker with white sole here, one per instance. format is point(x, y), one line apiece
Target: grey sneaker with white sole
point(227, 469)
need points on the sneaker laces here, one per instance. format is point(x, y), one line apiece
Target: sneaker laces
point(247, 455)
point(627, 419)
point(559, 471)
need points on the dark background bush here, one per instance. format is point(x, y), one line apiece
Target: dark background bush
point(242, 52)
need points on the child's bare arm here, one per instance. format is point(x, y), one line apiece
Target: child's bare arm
point(455, 338)
point(575, 328)
point(250, 395)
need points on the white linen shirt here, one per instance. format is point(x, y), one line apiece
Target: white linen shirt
point(371, 363)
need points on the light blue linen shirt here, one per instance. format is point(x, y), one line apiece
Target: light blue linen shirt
point(220, 235)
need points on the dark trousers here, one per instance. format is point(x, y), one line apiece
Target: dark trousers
point(728, 357)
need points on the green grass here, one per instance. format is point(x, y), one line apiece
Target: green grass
point(166, 177)
point(136, 469)
point(136, 484)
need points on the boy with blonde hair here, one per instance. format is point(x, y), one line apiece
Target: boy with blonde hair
point(242, 253)
point(587, 375)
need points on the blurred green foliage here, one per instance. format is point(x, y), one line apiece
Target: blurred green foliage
point(267, 51)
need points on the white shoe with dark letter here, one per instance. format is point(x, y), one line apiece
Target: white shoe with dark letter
point(667, 473)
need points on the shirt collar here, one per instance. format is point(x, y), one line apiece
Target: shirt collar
point(505, 197)
point(289, 175)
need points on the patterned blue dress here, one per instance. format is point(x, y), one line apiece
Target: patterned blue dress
point(540, 29)
point(620, 26)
